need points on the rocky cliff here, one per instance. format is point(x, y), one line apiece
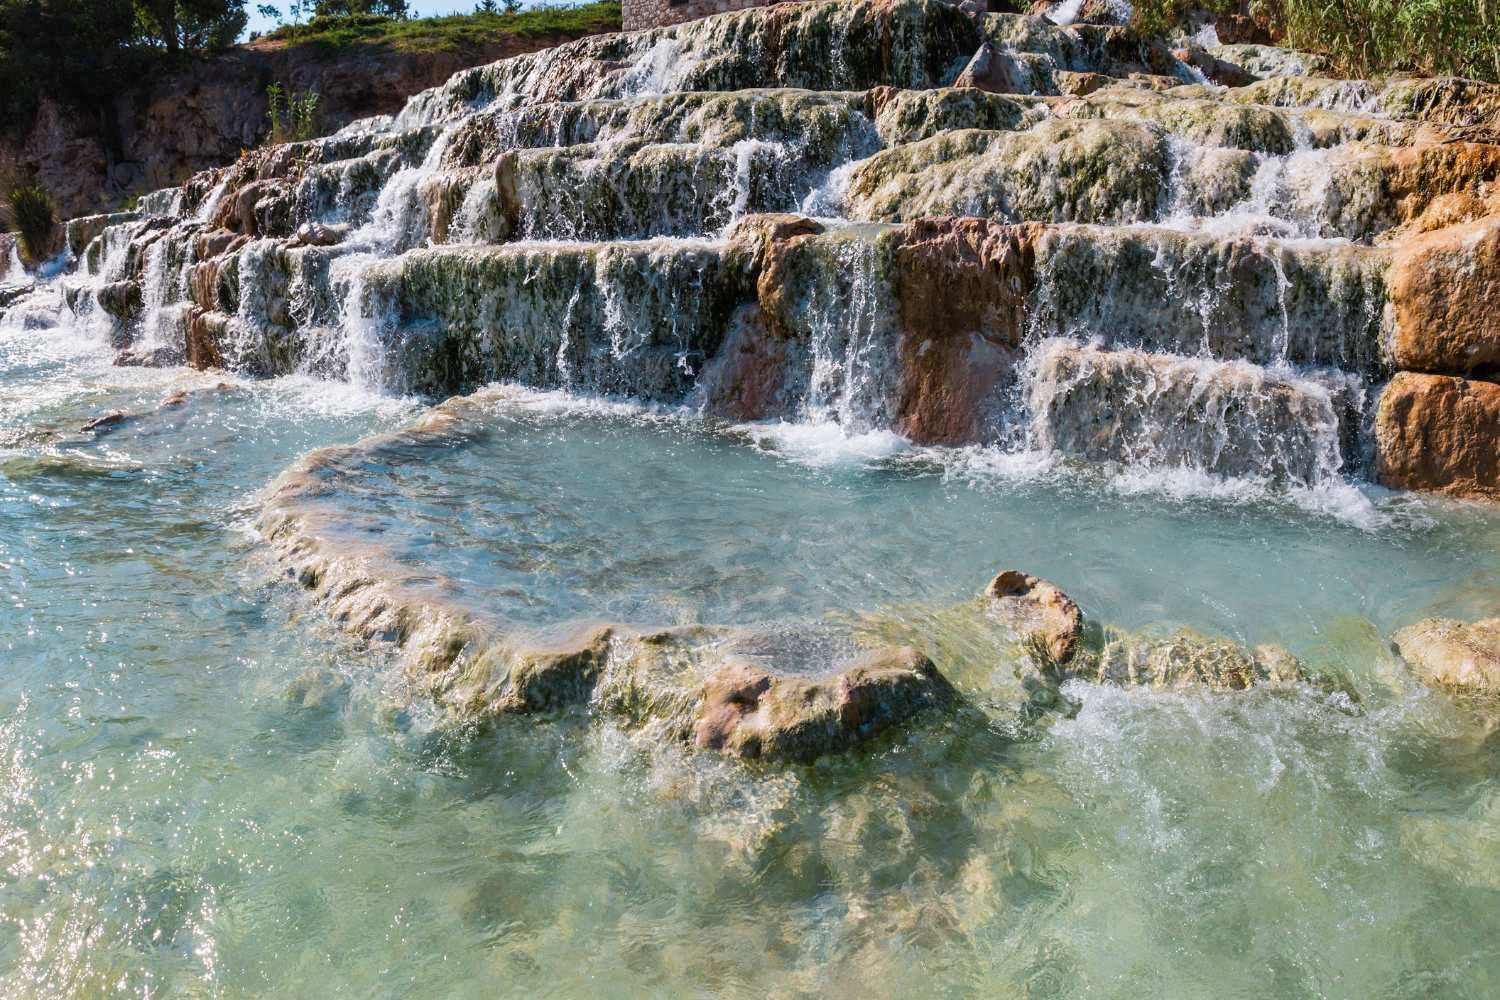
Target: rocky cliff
point(157, 132)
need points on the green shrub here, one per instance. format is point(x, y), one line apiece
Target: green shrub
point(1376, 37)
point(291, 114)
point(455, 32)
point(1367, 38)
point(29, 211)
point(1155, 17)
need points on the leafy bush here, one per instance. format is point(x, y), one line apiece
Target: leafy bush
point(1366, 38)
point(291, 114)
point(1375, 37)
point(1156, 17)
point(29, 212)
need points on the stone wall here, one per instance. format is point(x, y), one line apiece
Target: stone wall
point(639, 14)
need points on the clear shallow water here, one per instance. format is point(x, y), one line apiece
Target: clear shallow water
point(574, 508)
point(172, 824)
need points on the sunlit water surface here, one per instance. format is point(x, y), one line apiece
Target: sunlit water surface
point(172, 824)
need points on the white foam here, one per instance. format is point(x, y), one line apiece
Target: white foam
point(317, 397)
point(824, 443)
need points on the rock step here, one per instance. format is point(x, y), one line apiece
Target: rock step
point(815, 46)
point(1235, 419)
point(931, 329)
point(1123, 172)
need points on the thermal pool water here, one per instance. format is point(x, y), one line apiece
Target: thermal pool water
point(207, 790)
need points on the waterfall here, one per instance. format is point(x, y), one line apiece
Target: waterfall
point(1202, 289)
point(15, 271)
point(1227, 418)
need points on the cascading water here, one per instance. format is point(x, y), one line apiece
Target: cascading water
point(15, 271)
point(319, 685)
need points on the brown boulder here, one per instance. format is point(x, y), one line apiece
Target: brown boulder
point(1448, 654)
point(1439, 433)
point(322, 234)
point(1041, 615)
point(112, 419)
point(996, 71)
point(1220, 71)
point(748, 712)
point(215, 242)
point(1081, 84)
point(963, 285)
point(121, 299)
point(205, 331)
point(765, 244)
point(1444, 288)
point(203, 282)
point(749, 378)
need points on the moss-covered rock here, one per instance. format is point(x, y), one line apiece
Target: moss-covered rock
point(1111, 171)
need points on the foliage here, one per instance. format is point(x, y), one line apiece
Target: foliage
point(355, 8)
point(28, 210)
point(192, 25)
point(1375, 37)
point(79, 51)
point(291, 114)
point(1156, 17)
point(1366, 38)
point(456, 31)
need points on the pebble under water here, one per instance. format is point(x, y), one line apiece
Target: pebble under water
point(205, 790)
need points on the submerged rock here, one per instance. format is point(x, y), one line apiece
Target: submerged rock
point(1448, 654)
point(748, 712)
point(1436, 432)
point(1049, 628)
point(1186, 659)
point(105, 421)
point(731, 690)
point(156, 357)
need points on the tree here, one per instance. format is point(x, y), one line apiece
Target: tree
point(347, 8)
point(486, 7)
point(190, 24)
point(269, 12)
point(79, 51)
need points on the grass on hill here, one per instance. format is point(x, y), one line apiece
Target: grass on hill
point(455, 31)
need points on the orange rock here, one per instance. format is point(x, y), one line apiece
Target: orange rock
point(1444, 288)
point(204, 333)
point(1439, 433)
point(1038, 612)
point(963, 285)
point(745, 711)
